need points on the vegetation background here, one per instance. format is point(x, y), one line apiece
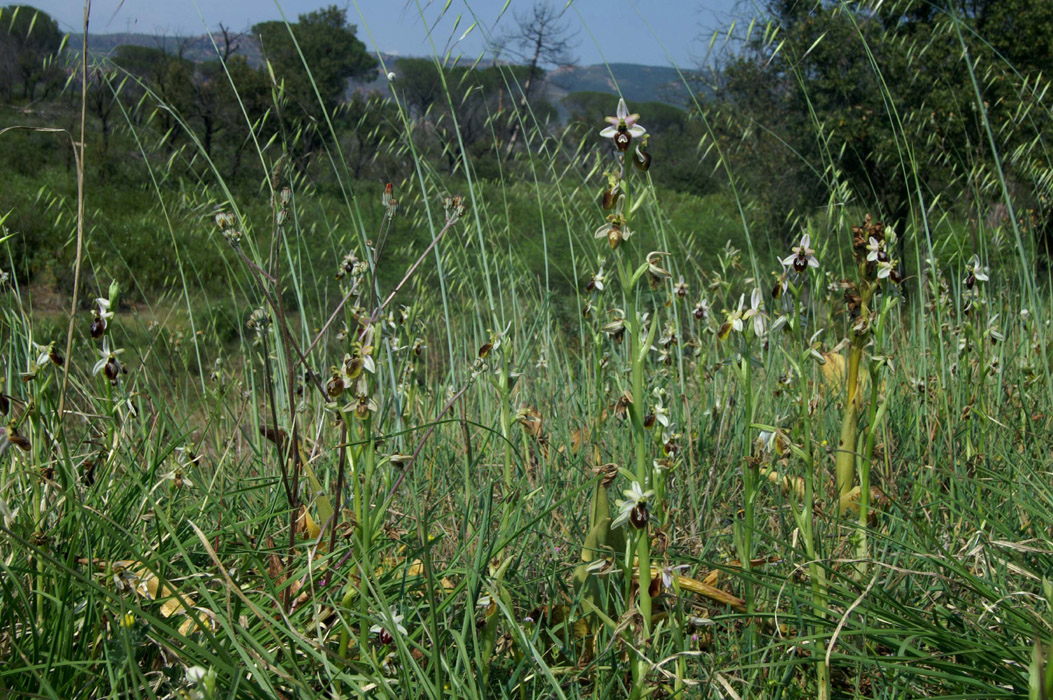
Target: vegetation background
point(308, 434)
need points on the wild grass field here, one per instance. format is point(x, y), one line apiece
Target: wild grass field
point(536, 419)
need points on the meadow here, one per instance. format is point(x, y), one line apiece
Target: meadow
point(531, 422)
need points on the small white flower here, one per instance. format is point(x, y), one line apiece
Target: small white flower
point(992, 331)
point(874, 248)
point(597, 281)
point(734, 320)
point(103, 311)
point(803, 255)
point(634, 506)
point(391, 76)
point(382, 629)
point(661, 414)
point(623, 127)
point(43, 353)
point(108, 362)
point(976, 272)
point(195, 674)
point(669, 574)
point(814, 347)
point(756, 312)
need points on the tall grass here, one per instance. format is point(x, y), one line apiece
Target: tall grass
point(402, 482)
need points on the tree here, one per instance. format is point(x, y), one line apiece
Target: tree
point(369, 126)
point(102, 99)
point(230, 42)
point(331, 55)
point(32, 38)
point(253, 91)
point(419, 84)
point(539, 39)
point(164, 74)
point(875, 100)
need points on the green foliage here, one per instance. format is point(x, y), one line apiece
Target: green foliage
point(29, 40)
point(325, 55)
point(455, 456)
point(876, 102)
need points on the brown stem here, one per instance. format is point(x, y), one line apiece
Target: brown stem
point(412, 268)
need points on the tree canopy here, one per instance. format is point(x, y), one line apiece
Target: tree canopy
point(887, 104)
point(29, 40)
point(323, 41)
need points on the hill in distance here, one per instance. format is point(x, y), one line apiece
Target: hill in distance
point(637, 83)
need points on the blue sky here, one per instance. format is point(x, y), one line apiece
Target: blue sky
point(653, 32)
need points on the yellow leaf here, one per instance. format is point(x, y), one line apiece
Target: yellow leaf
point(706, 591)
point(150, 587)
point(312, 527)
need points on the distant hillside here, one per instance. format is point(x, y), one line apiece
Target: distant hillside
point(638, 83)
point(194, 48)
point(635, 82)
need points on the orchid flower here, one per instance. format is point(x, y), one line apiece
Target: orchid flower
point(615, 230)
point(623, 127)
point(734, 320)
point(634, 508)
point(874, 249)
point(803, 255)
point(381, 630)
point(976, 272)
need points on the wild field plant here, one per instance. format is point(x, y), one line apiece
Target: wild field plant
point(393, 462)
